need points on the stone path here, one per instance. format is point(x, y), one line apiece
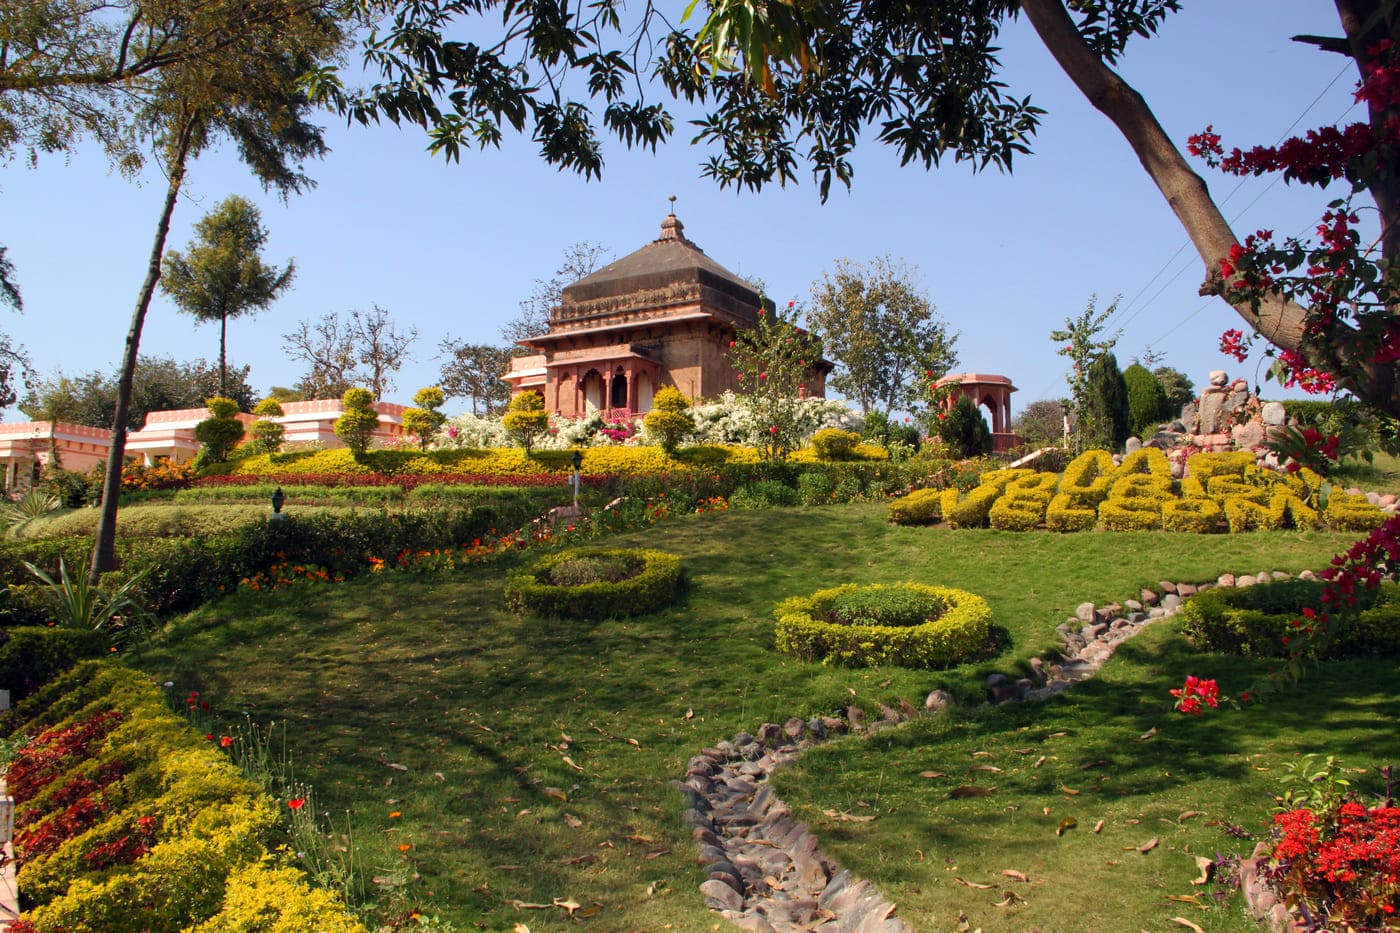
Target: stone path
point(766, 870)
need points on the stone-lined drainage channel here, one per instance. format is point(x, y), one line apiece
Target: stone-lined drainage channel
point(766, 870)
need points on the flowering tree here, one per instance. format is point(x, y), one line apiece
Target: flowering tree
point(773, 360)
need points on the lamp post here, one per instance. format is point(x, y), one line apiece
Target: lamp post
point(574, 480)
point(278, 497)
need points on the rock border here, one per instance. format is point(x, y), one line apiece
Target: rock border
point(766, 871)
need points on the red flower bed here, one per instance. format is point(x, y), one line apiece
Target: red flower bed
point(1343, 866)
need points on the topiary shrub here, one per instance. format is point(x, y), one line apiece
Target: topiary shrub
point(1226, 463)
point(1197, 516)
point(834, 444)
point(595, 584)
point(1086, 480)
point(1255, 621)
point(669, 421)
point(1246, 513)
point(525, 418)
point(1137, 513)
point(267, 434)
point(358, 420)
point(920, 507)
point(970, 510)
point(1350, 512)
point(220, 432)
point(922, 627)
point(1018, 511)
point(1065, 513)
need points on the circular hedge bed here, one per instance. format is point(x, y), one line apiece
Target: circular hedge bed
point(907, 624)
point(595, 583)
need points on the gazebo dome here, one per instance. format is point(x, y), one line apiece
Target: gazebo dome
point(670, 270)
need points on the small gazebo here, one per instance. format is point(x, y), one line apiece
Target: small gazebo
point(988, 391)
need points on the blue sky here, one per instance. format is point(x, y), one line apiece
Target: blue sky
point(451, 249)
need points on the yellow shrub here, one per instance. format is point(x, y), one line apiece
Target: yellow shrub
point(1142, 486)
point(1348, 512)
point(1227, 463)
point(1131, 514)
point(1282, 510)
point(1047, 483)
point(1192, 488)
point(970, 510)
point(1087, 478)
point(920, 507)
point(1145, 460)
point(1221, 488)
point(1065, 514)
point(1003, 478)
point(1018, 511)
point(1195, 515)
point(261, 898)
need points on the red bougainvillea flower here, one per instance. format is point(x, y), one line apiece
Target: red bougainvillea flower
point(1196, 694)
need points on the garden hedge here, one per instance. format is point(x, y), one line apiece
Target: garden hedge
point(1226, 491)
point(1255, 621)
point(655, 584)
point(128, 821)
point(31, 656)
point(805, 629)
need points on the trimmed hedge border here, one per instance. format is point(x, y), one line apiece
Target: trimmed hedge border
point(961, 631)
point(1257, 621)
point(529, 589)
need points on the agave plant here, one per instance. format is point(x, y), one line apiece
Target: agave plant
point(78, 604)
point(36, 502)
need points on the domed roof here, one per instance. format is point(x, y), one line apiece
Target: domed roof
point(669, 270)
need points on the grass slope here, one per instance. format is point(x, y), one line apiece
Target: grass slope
point(527, 758)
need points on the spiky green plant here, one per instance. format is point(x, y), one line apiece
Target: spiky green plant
point(78, 604)
point(34, 503)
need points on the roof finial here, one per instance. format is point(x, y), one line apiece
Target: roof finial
point(671, 227)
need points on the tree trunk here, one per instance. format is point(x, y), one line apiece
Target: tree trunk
point(223, 356)
point(1277, 319)
point(104, 548)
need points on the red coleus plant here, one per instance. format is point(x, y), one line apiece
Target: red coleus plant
point(43, 758)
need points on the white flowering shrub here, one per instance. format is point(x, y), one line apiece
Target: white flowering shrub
point(728, 419)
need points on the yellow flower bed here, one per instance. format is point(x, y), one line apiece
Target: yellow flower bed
point(514, 462)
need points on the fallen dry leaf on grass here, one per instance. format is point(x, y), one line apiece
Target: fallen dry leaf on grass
point(572, 821)
point(970, 790)
point(1148, 734)
point(1148, 846)
point(1188, 815)
point(555, 792)
point(981, 754)
point(932, 774)
point(1096, 764)
point(991, 769)
point(395, 765)
point(657, 854)
point(972, 884)
point(521, 928)
point(1069, 790)
point(1007, 899)
point(524, 905)
point(843, 817)
point(1024, 751)
point(1015, 875)
point(1039, 761)
point(1188, 924)
point(1098, 827)
point(1068, 822)
point(1185, 899)
point(570, 762)
point(1207, 866)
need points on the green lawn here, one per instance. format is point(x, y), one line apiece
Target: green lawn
point(527, 759)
